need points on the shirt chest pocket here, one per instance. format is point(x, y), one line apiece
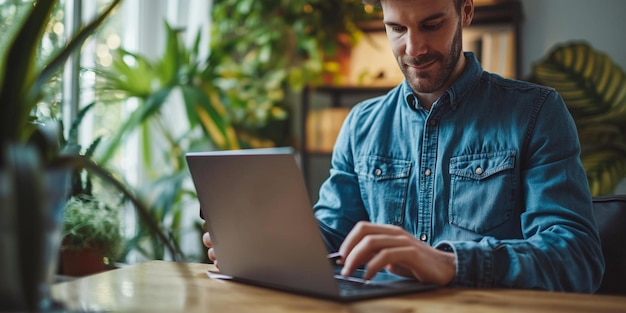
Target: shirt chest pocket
point(383, 183)
point(482, 190)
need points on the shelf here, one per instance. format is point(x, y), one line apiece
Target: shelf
point(337, 92)
point(506, 12)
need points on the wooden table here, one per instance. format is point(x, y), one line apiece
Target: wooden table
point(160, 286)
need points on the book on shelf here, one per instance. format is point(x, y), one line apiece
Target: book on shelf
point(322, 128)
point(494, 48)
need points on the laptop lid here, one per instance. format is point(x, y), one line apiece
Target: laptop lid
point(263, 229)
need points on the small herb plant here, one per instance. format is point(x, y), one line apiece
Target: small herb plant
point(91, 224)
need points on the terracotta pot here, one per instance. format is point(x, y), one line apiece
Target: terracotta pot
point(83, 262)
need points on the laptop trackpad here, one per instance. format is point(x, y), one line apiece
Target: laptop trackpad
point(382, 277)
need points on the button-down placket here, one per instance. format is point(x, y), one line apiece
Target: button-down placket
point(427, 172)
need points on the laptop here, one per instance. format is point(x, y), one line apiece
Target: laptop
point(264, 232)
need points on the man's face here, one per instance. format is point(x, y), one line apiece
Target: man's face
point(425, 37)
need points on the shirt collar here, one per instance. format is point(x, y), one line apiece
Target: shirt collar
point(457, 91)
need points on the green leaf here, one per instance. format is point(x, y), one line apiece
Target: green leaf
point(7, 38)
point(131, 74)
point(74, 44)
point(605, 169)
point(201, 109)
point(593, 87)
point(20, 66)
point(170, 63)
point(594, 90)
point(73, 133)
point(145, 111)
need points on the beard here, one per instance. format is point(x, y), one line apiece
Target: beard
point(433, 80)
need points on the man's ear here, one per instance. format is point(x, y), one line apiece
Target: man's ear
point(467, 12)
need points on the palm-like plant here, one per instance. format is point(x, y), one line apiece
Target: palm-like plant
point(594, 89)
point(29, 152)
point(173, 78)
point(236, 96)
point(134, 75)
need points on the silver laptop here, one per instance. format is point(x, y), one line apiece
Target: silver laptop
point(258, 212)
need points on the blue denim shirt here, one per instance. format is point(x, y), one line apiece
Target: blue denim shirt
point(492, 173)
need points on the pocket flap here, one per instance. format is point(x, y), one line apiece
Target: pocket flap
point(481, 166)
point(380, 168)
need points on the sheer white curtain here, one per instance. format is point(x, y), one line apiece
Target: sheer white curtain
point(140, 27)
point(144, 32)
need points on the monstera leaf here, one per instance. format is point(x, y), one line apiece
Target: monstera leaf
point(594, 90)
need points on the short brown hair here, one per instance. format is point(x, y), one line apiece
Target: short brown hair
point(457, 3)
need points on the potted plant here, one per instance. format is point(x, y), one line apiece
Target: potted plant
point(91, 231)
point(594, 90)
point(91, 238)
point(33, 169)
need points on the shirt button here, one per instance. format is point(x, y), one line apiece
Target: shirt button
point(479, 171)
point(423, 237)
point(378, 172)
point(433, 122)
point(427, 172)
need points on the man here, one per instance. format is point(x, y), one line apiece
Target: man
point(457, 176)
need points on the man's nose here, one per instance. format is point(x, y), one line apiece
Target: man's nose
point(415, 44)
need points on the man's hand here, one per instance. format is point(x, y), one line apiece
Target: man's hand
point(206, 240)
point(392, 248)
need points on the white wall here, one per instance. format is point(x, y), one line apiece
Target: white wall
point(602, 23)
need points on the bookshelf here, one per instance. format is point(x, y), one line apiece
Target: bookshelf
point(500, 25)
